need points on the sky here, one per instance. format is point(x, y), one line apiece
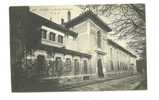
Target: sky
point(55, 13)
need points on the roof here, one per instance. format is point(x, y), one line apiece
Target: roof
point(65, 51)
point(88, 15)
point(120, 47)
point(51, 24)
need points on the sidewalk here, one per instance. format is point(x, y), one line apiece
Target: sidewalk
point(68, 86)
point(86, 85)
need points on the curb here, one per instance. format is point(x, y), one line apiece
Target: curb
point(74, 85)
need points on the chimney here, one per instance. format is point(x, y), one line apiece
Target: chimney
point(68, 16)
point(62, 21)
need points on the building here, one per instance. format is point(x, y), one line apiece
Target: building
point(78, 49)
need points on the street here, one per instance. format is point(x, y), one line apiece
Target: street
point(127, 83)
point(135, 82)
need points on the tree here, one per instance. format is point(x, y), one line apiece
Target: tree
point(127, 22)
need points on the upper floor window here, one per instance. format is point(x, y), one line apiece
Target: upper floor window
point(110, 52)
point(52, 36)
point(98, 39)
point(43, 33)
point(60, 39)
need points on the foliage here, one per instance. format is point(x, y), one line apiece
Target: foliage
point(127, 22)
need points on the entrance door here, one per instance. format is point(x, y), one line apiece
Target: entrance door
point(100, 68)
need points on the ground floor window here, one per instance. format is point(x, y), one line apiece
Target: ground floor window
point(58, 66)
point(41, 64)
point(118, 66)
point(111, 65)
point(85, 67)
point(76, 66)
point(50, 54)
point(100, 68)
point(68, 65)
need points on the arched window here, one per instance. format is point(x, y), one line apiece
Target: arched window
point(111, 65)
point(85, 67)
point(58, 66)
point(68, 65)
point(76, 66)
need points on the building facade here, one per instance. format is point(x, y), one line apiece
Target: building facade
point(78, 49)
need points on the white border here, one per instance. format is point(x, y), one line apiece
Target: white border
point(152, 55)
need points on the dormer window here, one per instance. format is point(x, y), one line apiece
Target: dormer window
point(43, 34)
point(98, 39)
point(52, 36)
point(60, 38)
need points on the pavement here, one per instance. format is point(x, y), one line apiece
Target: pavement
point(132, 82)
point(125, 83)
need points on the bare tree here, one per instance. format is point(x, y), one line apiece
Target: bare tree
point(127, 21)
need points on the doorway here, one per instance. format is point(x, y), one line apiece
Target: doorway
point(100, 68)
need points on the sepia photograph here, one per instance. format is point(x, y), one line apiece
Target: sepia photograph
point(89, 47)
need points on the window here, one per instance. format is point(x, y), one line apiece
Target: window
point(30, 52)
point(76, 66)
point(68, 65)
point(60, 39)
point(52, 36)
point(58, 66)
point(68, 61)
point(50, 54)
point(41, 63)
point(111, 53)
point(98, 39)
point(85, 67)
point(43, 33)
point(112, 66)
point(111, 62)
point(118, 65)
